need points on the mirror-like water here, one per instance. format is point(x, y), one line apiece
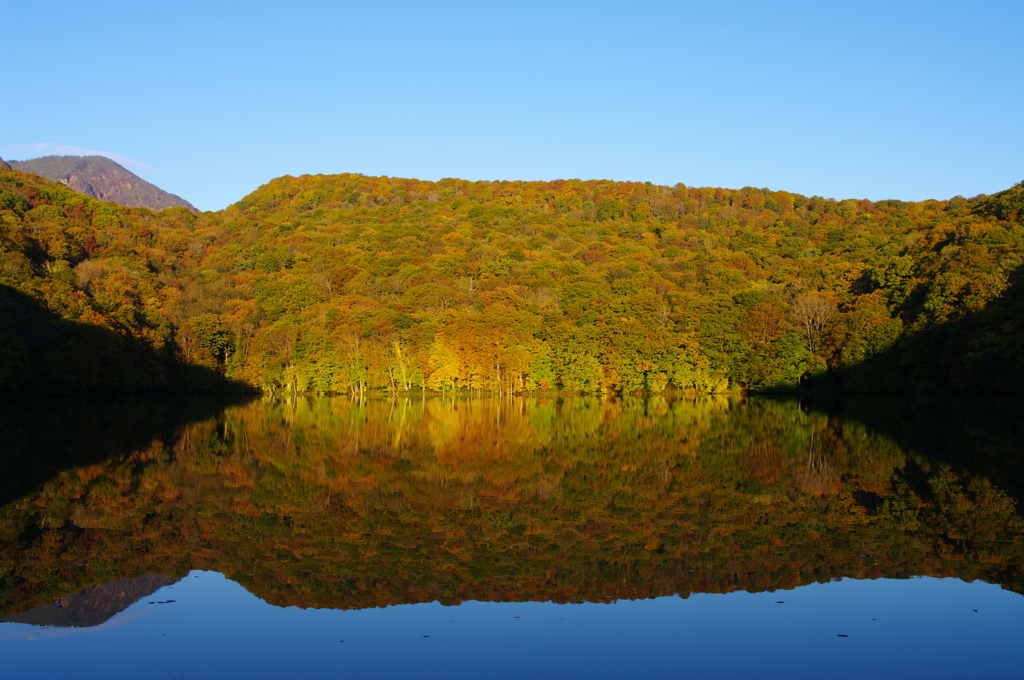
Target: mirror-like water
point(576, 537)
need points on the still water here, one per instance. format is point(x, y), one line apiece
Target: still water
point(523, 538)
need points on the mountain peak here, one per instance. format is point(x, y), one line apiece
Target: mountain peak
point(102, 178)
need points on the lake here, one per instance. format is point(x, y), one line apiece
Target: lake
point(528, 537)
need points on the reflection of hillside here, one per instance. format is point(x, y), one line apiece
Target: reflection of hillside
point(43, 437)
point(338, 503)
point(53, 452)
point(94, 605)
point(978, 435)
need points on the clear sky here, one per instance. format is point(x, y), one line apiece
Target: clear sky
point(211, 99)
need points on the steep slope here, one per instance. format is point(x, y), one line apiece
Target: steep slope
point(104, 179)
point(82, 308)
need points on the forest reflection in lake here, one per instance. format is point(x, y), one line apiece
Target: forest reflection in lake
point(347, 505)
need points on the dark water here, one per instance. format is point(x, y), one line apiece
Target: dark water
point(512, 538)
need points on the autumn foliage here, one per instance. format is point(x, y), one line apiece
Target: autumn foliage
point(353, 284)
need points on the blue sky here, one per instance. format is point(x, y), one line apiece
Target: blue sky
point(209, 100)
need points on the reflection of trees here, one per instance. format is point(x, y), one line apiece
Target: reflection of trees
point(816, 476)
point(764, 463)
point(393, 501)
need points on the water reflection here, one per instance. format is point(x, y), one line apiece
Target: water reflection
point(332, 503)
point(93, 606)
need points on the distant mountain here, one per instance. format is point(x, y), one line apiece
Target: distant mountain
point(102, 178)
point(3, 164)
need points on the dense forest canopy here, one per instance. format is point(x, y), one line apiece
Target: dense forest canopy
point(348, 284)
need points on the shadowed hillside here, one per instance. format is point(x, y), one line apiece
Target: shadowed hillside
point(44, 354)
point(980, 350)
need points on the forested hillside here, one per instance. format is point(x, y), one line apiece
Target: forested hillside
point(349, 284)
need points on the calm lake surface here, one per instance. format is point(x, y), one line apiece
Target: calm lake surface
point(512, 538)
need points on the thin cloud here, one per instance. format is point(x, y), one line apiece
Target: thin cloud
point(51, 149)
